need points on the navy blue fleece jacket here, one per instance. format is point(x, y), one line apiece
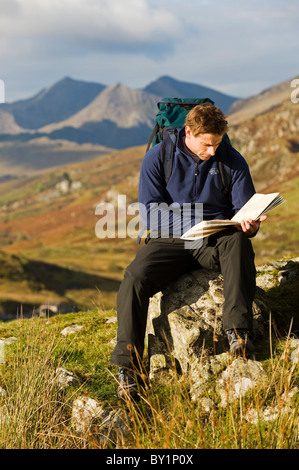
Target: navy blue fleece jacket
point(192, 181)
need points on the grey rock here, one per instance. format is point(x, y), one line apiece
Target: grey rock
point(64, 378)
point(85, 413)
point(266, 281)
point(239, 377)
point(185, 334)
point(185, 322)
point(89, 416)
point(184, 330)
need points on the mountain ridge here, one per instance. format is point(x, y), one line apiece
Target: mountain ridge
point(114, 116)
point(56, 103)
point(268, 98)
point(117, 101)
point(168, 86)
point(53, 103)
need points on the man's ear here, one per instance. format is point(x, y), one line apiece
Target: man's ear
point(188, 131)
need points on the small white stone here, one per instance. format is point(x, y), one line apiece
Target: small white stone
point(294, 343)
point(69, 330)
point(10, 340)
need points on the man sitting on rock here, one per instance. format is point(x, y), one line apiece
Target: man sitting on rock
point(195, 180)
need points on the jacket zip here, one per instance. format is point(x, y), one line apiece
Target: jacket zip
point(195, 179)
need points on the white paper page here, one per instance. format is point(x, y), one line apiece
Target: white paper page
point(206, 226)
point(254, 207)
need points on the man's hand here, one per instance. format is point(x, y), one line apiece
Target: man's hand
point(249, 227)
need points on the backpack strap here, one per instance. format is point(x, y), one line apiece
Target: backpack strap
point(156, 128)
point(167, 150)
point(224, 165)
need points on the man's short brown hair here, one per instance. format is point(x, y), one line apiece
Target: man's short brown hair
point(206, 118)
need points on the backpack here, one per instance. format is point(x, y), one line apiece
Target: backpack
point(170, 117)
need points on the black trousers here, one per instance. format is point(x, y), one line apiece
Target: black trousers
point(161, 261)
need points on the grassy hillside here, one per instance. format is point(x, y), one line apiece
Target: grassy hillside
point(49, 219)
point(278, 236)
point(35, 413)
point(269, 141)
point(246, 109)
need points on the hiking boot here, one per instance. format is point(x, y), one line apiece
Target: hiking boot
point(239, 342)
point(127, 384)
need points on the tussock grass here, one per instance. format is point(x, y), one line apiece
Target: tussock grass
point(36, 414)
point(32, 412)
point(266, 417)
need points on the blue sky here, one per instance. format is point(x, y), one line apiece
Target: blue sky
point(235, 46)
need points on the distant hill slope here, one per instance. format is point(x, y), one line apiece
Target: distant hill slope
point(8, 125)
point(118, 117)
point(53, 104)
point(167, 86)
point(242, 110)
point(24, 158)
point(270, 143)
point(265, 129)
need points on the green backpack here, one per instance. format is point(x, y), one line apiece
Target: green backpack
point(171, 117)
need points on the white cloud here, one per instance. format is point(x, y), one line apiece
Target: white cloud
point(236, 46)
point(119, 22)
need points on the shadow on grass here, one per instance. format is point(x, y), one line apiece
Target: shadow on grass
point(59, 279)
point(42, 276)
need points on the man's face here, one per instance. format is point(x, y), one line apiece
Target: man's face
point(204, 145)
